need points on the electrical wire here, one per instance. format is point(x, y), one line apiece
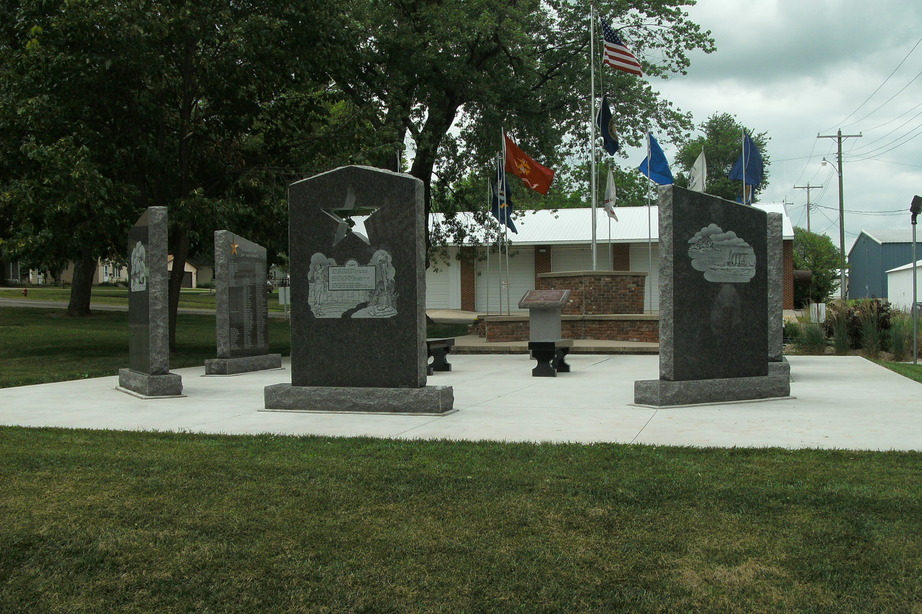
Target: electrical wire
point(842, 124)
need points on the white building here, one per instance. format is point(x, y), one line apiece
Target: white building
point(554, 241)
point(899, 286)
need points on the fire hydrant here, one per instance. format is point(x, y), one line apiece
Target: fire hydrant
point(25, 292)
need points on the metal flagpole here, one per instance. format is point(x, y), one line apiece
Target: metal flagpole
point(649, 285)
point(489, 247)
point(592, 131)
point(743, 143)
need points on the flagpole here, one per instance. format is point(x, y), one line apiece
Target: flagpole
point(499, 244)
point(489, 248)
point(649, 285)
point(504, 218)
point(592, 130)
point(743, 146)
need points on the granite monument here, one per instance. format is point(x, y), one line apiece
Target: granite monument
point(241, 307)
point(148, 373)
point(358, 320)
point(714, 303)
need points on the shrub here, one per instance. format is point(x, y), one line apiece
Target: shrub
point(811, 339)
point(900, 335)
point(791, 331)
point(840, 340)
point(871, 331)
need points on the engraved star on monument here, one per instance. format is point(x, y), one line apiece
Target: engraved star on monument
point(343, 227)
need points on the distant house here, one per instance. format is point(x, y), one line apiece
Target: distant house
point(190, 273)
point(555, 241)
point(874, 253)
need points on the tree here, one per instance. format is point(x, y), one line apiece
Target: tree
point(451, 76)
point(206, 107)
point(722, 144)
point(816, 253)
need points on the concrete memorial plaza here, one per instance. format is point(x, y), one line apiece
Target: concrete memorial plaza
point(841, 402)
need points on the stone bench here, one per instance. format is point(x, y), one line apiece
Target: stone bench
point(550, 356)
point(438, 350)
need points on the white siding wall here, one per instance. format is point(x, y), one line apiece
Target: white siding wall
point(521, 280)
point(899, 288)
point(640, 261)
point(580, 258)
point(443, 286)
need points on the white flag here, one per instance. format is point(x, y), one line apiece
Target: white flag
point(698, 177)
point(610, 196)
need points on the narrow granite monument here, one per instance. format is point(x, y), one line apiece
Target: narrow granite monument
point(714, 303)
point(242, 310)
point(148, 373)
point(358, 319)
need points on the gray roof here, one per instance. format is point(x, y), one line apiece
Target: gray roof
point(574, 226)
point(893, 235)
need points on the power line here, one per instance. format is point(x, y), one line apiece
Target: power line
point(842, 123)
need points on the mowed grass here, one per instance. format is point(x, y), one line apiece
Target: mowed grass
point(43, 345)
point(189, 298)
point(154, 522)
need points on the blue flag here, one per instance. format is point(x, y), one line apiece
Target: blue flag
point(655, 166)
point(607, 128)
point(753, 163)
point(501, 207)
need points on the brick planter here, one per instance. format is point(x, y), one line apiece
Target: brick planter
point(598, 292)
point(619, 327)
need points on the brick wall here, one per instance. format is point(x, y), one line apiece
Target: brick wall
point(621, 257)
point(468, 280)
point(788, 274)
point(598, 292)
point(587, 327)
point(542, 259)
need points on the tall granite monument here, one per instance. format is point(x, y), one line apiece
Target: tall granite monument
point(714, 303)
point(242, 310)
point(148, 373)
point(358, 320)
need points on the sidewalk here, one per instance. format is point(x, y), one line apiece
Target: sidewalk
point(839, 402)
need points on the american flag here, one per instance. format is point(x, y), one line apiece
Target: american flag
point(616, 54)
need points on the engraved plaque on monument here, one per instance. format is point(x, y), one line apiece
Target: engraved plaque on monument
point(714, 302)
point(241, 307)
point(148, 315)
point(358, 328)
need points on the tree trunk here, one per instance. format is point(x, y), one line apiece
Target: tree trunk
point(82, 287)
point(180, 253)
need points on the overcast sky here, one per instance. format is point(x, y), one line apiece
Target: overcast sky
point(796, 68)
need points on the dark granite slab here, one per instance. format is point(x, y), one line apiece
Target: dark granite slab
point(358, 302)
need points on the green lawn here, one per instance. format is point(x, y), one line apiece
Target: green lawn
point(154, 522)
point(43, 345)
point(194, 298)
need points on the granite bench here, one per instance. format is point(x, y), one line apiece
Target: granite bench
point(550, 356)
point(438, 350)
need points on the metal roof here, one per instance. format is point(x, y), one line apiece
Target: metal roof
point(892, 235)
point(574, 226)
point(906, 266)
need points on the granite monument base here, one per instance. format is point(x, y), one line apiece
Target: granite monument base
point(146, 385)
point(666, 393)
point(426, 400)
point(243, 364)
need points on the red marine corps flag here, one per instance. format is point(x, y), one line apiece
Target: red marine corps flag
point(520, 164)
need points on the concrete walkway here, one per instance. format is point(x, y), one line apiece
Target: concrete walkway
point(840, 402)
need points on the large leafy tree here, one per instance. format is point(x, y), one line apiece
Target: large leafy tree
point(721, 140)
point(448, 77)
point(207, 107)
point(816, 253)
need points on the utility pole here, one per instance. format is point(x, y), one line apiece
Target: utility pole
point(839, 136)
point(808, 187)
